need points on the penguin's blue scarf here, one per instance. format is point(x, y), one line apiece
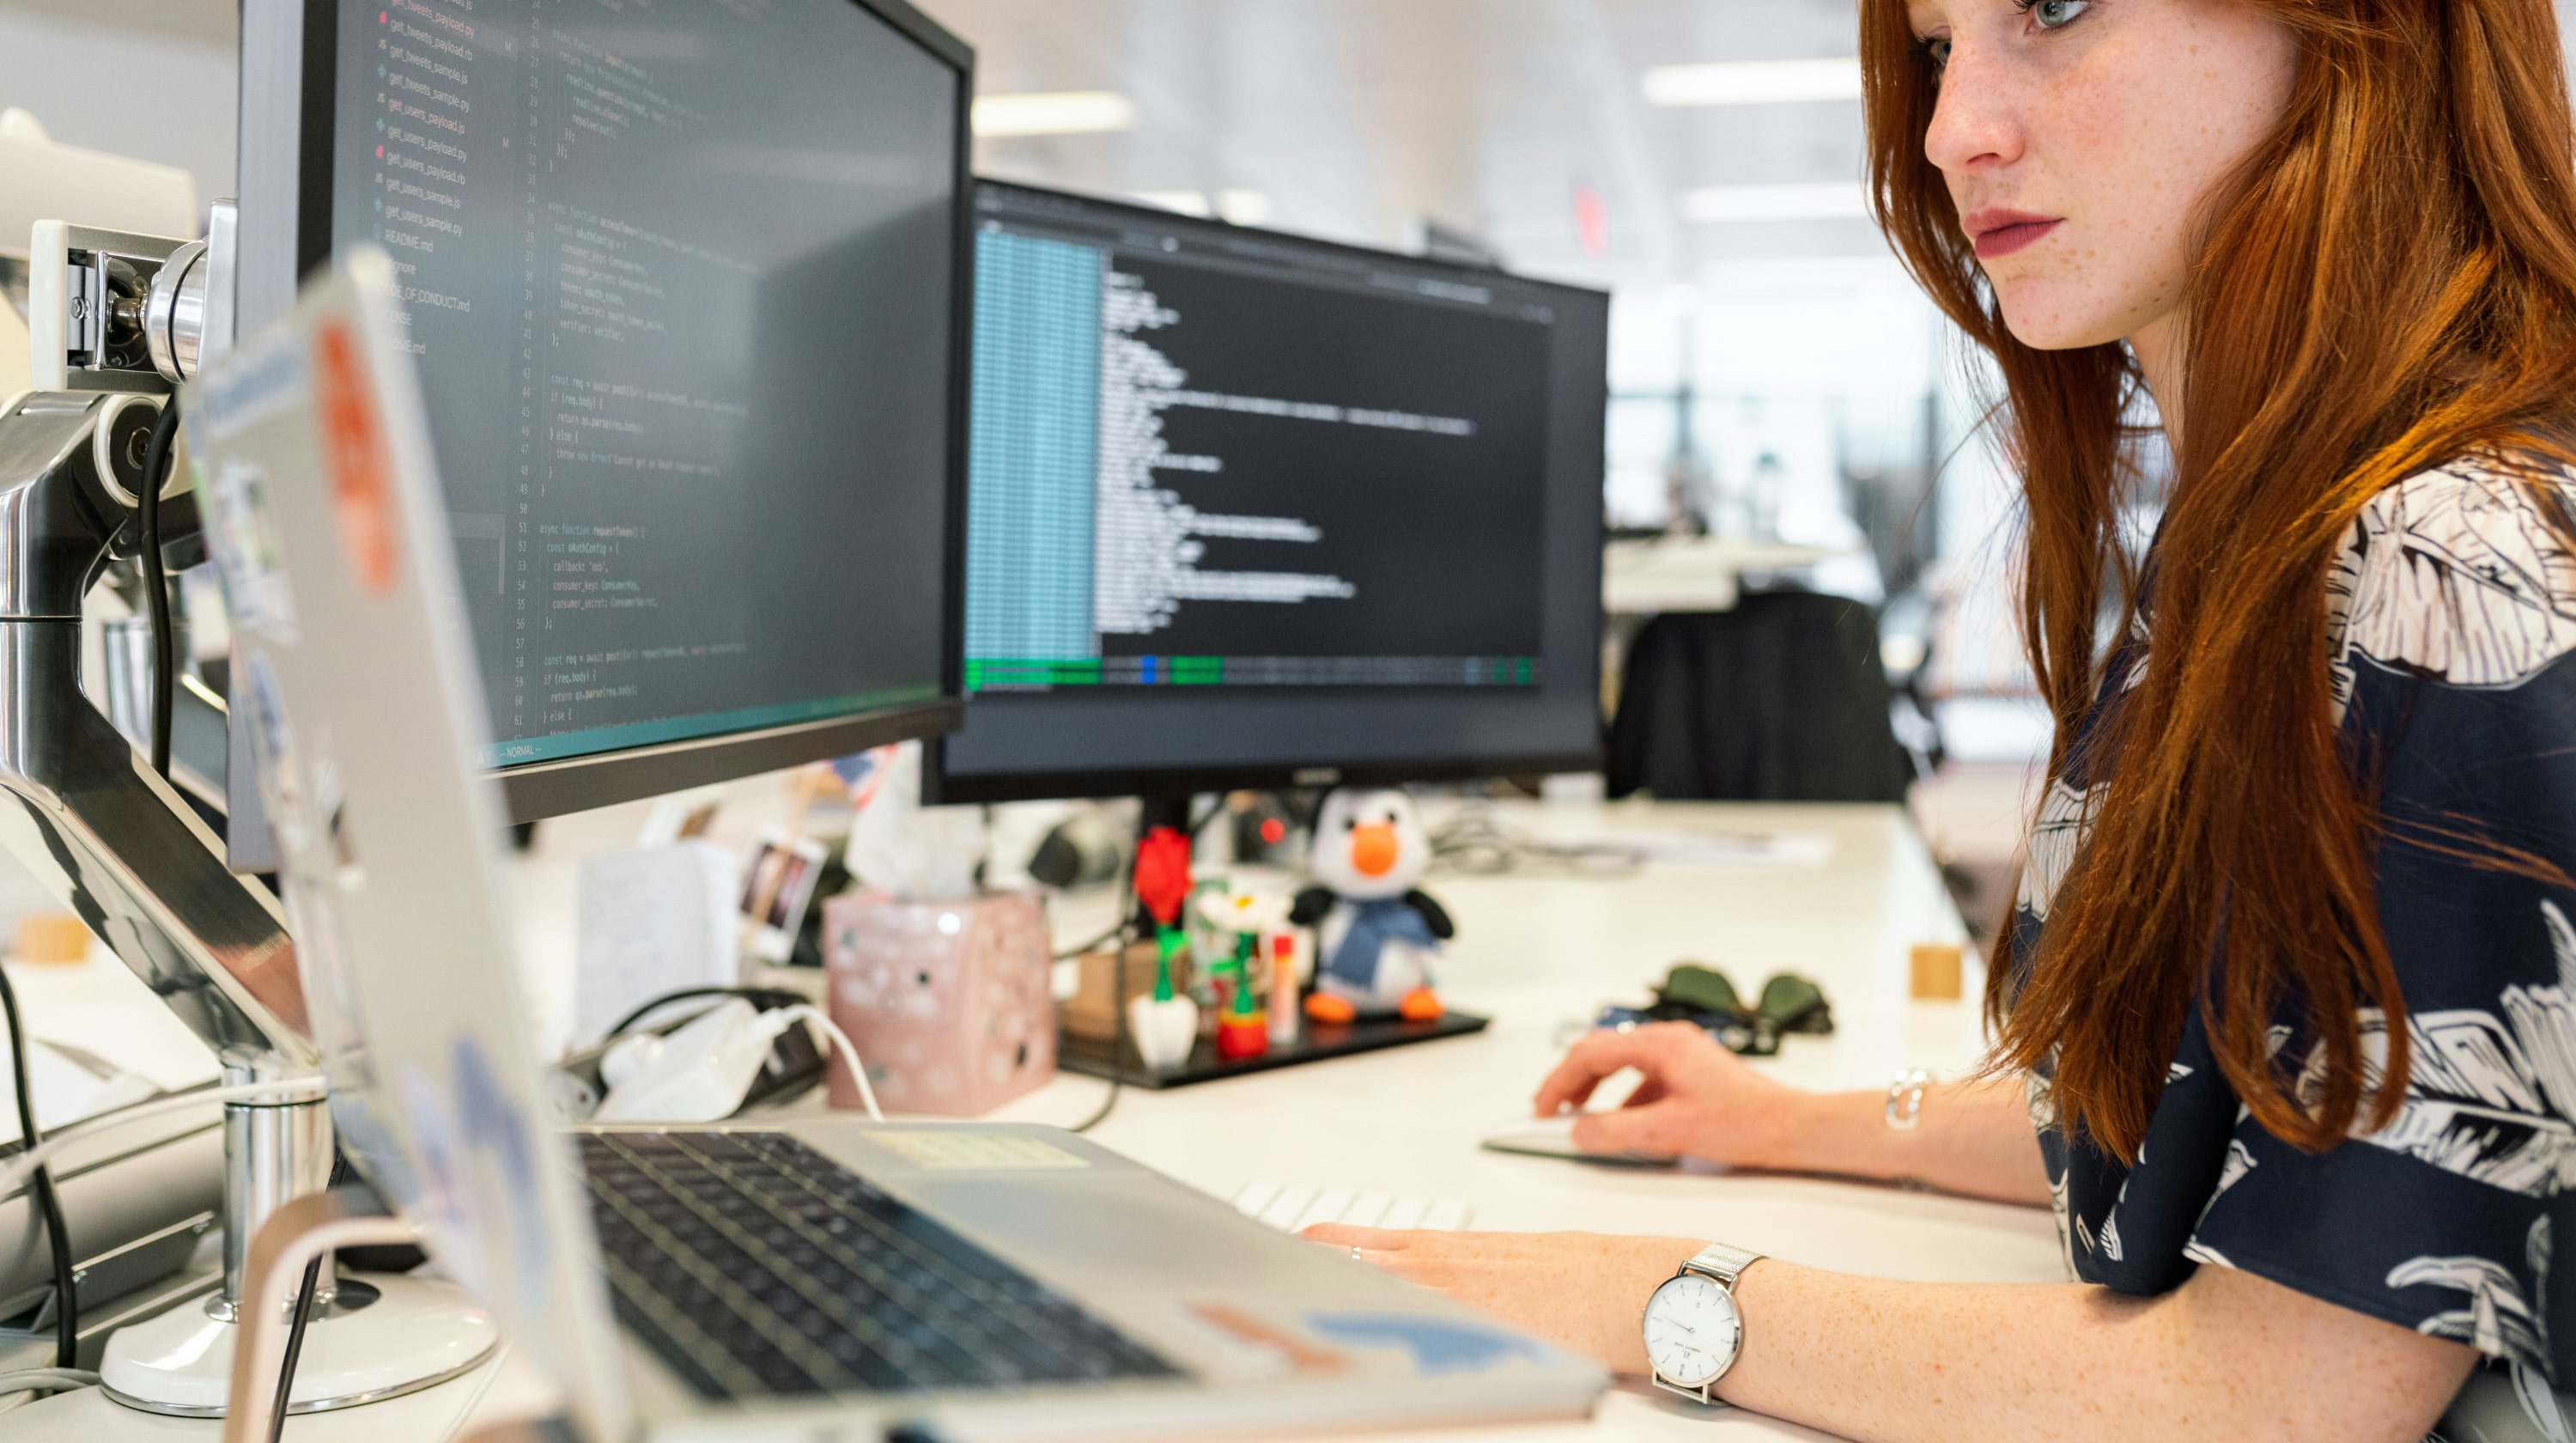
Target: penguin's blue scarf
point(1375, 923)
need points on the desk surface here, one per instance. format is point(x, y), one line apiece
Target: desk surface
point(1538, 953)
point(1692, 573)
point(1541, 952)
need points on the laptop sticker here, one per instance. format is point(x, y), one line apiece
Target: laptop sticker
point(353, 435)
point(447, 1217)
point(272, 740)
point(478, 1157)
point(1263, 1351)
point(233, 499)
point(1439, 1346)
point(941, 1151)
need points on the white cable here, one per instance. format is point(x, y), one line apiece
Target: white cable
point(24, 1165)
point(25, 1386)
point(849, 1052)
point(47, 1380)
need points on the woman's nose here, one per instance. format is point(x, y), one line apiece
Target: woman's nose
point(1977, 122)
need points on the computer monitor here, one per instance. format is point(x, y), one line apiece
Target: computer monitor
point(1249, 510)
point(688, 286)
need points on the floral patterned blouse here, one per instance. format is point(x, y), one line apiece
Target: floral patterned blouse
point(2452, 616)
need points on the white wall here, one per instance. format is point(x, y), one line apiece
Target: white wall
point(126, 91)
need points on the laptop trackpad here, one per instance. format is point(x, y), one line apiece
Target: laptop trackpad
point(1121, 1226)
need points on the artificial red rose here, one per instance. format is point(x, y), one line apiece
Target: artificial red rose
point(1163, 874)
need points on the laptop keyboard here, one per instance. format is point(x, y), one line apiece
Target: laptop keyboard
point(757, 1267)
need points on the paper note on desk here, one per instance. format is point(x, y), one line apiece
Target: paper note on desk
point(1719, 849)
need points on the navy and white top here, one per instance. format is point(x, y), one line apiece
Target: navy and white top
point(2452, 619)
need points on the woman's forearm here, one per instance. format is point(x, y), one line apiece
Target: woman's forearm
point(1969, 1137)
point(2227, 1355)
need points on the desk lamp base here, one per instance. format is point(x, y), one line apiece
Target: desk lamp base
point(383, 1336)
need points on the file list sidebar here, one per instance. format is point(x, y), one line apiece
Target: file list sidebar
point(679, 287)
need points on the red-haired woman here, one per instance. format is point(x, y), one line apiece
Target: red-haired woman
point(2288, 1021)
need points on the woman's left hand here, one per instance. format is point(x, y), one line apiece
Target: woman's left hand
point(1584, 1292)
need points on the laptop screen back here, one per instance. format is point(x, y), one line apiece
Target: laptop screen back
point(322, 506)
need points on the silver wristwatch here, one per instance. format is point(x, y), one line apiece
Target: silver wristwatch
point(1693, 1328)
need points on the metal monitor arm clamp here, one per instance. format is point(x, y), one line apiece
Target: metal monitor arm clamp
point(112, 310)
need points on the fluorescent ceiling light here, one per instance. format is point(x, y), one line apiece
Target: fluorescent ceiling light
point(1754, 82)
point(1244, 207)
point(1054, 112)
point(1187, 202)
point(1722, 204)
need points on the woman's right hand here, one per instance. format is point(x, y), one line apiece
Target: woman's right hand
point(1697, 1099)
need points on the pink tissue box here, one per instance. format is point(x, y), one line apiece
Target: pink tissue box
point(949, 1003)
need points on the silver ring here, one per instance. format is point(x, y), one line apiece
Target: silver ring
point(1355, 1254)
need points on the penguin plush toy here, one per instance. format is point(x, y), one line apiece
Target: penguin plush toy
point(1376, 934)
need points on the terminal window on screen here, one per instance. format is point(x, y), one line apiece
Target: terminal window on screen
point(1193, 473)
point(680, 284)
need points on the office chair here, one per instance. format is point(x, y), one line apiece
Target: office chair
point(1782, 699)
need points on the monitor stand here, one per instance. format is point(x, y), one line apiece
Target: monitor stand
point(116, 844)
point(1315, 1042)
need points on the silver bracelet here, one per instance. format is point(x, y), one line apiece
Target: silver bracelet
point(1905, 1099)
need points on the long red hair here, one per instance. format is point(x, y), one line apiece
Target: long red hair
point(2387, 283)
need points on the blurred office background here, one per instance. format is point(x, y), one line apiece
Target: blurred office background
point(1775, 377)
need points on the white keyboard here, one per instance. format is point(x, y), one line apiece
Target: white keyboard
point(1292, 1208)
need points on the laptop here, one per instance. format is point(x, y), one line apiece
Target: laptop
point(806, 1276)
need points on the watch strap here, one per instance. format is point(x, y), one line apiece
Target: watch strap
point(1723, 1263)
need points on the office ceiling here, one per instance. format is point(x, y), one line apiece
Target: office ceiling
point(1359, 119)
point(1355, 119)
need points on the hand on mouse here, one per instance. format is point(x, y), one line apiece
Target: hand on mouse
point(1697, 1099)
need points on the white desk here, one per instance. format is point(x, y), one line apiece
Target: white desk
point(1691, 573)
point(1535, 953)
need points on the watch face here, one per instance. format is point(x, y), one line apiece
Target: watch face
point(1691, 1330)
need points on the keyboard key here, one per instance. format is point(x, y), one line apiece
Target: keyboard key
point(1368, 1209)
point(1405, 1213)
point(1286, 1208)
point(1326, 1208)
point(1255, 1197)
point(1447, 1217)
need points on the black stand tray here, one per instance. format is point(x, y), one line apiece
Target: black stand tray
point(1315, 1042)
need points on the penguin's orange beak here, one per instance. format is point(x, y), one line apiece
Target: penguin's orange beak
point(1373, 849)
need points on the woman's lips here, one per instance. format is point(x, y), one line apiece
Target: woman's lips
point(2001, 232)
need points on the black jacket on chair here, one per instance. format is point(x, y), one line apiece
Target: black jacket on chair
point(1782, 699)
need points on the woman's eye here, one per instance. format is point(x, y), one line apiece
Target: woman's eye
point(2053, 13)
point(1938, 52)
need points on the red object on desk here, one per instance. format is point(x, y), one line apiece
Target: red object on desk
point(1163, 874)
point(1242, 1035)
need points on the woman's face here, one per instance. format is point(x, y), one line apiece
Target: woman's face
point(2080, 139)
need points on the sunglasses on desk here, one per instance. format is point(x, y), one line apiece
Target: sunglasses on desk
point(1705, 997)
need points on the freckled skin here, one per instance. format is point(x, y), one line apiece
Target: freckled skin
point(2121, 121)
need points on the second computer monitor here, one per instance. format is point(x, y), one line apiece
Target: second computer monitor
point(1247, 509)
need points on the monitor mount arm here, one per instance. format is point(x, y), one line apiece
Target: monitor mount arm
point(115, 843)
point(109, 838)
